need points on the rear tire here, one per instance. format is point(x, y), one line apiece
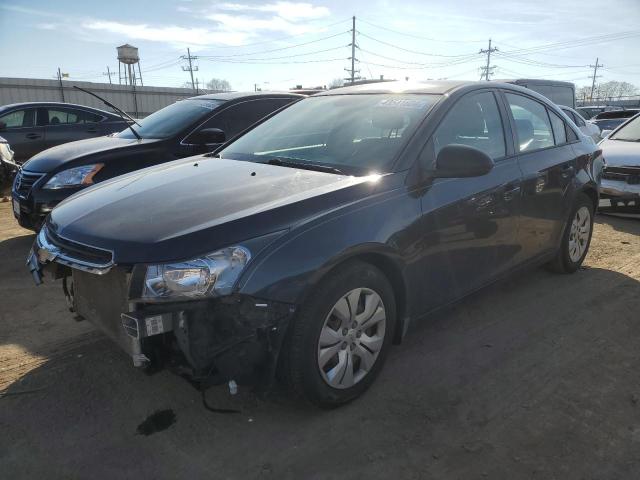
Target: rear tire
point(338, 342)
point(577, 237)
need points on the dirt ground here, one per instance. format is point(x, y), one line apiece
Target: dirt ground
point(535, 377)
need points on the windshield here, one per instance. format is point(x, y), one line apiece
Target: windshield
point(170, 120)
point(355, 134)
point(630, 132)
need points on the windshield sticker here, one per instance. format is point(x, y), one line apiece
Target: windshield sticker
point(207, 105)
point(412, 103)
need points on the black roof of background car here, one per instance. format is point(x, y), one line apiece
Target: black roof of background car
point(628, 113)
point(245, 95)
point(56, 104)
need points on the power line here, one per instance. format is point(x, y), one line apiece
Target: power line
point(468, 55)
point(285, 37)
point(419, 36)
point(278, 58)
point(275, 49)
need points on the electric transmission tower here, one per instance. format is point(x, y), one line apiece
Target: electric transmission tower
point(488, 69)
point(191, 68)
point(353, 72)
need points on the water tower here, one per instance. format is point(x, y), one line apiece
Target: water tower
point(127, 60)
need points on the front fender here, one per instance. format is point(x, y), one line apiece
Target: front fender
point(296, 262)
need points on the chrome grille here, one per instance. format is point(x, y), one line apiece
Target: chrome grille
point(24, 181)
point(52, 247)
point(631, 175)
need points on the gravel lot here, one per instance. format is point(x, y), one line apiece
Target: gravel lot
point(535, 377)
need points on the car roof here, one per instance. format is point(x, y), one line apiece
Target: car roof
point(628, 113)
point(430, 87)
point(54, 104)
point(227, 96)
point(435, 87)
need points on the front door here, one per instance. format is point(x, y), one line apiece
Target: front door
point(20, 130)
point(470, 224)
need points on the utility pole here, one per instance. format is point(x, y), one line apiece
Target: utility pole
point(486, 71)
point(190, 68)
point(108, 74)
point(595, 71)
point(352, 77)
point(60, 81)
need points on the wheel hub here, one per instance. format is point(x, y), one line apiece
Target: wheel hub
point(351, 338)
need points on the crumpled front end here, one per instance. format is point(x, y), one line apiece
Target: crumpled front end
point(621, 184)
point(234, 337)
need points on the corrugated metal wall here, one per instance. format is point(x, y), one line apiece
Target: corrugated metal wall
point(139, 102)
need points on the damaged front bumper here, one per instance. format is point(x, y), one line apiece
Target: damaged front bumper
point(235, 337)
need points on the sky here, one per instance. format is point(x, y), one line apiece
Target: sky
point(275, 45)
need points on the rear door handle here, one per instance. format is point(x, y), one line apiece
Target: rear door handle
point(33, 136)
point(568, 171)
point(511, 193)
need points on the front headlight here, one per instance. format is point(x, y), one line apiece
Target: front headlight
point(74, 177)
point(211, 275)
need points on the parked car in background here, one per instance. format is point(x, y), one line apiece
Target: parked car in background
point(185, 128)
point(35, 126)
point(560, 93)
point(309, 243)
point(621, 176)
point(7, 165)
point(612, 119)
point(587, 127)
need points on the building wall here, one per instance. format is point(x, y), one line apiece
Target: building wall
point(138, 102)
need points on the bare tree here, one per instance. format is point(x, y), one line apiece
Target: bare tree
point(615, 90)
point(336, 83)
point(219, 84)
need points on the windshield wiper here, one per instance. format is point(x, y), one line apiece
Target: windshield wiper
point(286, 162)
point(118, 111)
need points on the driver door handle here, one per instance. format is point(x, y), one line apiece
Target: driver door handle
point(33, 136)
point(511, 193)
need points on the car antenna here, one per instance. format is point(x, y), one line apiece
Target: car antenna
point(120, 112)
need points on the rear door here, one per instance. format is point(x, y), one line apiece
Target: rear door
point(63, 124)
point(548, 167)
point(470, 224)
point(24, 136)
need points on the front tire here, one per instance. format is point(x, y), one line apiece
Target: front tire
point(338, 342)
point(577, 237)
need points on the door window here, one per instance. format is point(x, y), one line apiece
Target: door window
point(474, 121)
point(559, 132)
point(533, 127)
point(237, 118)
point(19, 118)
point(70, 116)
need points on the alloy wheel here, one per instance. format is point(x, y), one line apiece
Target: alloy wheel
point(579, 234)
point(351, 338)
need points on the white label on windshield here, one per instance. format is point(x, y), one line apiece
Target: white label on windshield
point(413, 103)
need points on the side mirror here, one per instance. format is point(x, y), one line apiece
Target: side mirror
point(458, 161)
point(3, 126)
point(605, 133)
point(207, 136)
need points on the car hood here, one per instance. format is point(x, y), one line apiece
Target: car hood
point(618, 153)
point(189, 207)
point(52, 158)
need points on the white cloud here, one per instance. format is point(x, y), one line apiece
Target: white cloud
point(235, 24)
point(286, 10)
point(169, 34)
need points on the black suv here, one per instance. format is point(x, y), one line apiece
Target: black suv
point(310, 243)
point(185, 128)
